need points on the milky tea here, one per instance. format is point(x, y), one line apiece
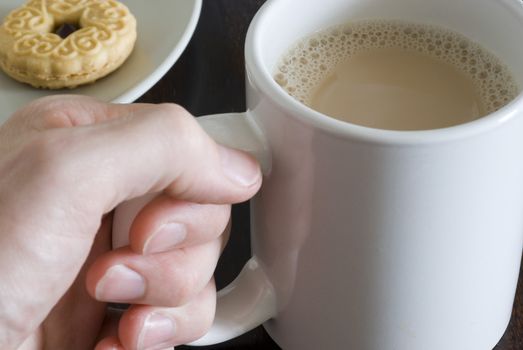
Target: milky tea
point(395, 75)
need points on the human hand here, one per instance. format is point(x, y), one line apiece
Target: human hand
point(66, 162)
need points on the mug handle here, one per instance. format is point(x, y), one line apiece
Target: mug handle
point(250, 299)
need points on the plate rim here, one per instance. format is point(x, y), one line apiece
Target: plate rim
point(135, 92)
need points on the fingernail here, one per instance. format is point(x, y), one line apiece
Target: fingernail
point(239, 167)
point(167, 237)
point(120, 283)
point(157, 333)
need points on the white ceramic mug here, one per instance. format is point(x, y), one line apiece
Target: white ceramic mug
point(371, 239)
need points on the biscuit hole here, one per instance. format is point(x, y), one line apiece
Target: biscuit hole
point(65, 29)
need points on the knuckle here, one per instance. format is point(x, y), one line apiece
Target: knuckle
point(213, 221)
point(185, 283)
point(54, 111)
point(204, 325)
point(207, 320)
point(206, 309)
point(173, 109)
point(186, 287)
point(54, 118)
point(174, 115)
point(224, 217)
point(178, 127)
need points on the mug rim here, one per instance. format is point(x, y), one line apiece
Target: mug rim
point(263, 79)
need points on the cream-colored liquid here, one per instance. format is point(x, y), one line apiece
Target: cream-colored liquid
point(395, 75)
point(398, 89)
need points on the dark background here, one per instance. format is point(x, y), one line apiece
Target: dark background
point(209, 78)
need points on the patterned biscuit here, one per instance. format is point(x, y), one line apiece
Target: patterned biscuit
point(32, 53)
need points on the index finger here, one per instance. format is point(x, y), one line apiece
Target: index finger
point(150, 149)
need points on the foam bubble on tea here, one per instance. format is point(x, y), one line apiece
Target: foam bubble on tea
point(395, 75)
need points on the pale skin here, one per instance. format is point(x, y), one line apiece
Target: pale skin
point(66, 162)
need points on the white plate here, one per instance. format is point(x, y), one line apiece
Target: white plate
point(164, 30)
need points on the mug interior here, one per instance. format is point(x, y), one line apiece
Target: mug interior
point(495, 25)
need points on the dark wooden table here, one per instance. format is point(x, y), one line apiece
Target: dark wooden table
point(208, 79)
